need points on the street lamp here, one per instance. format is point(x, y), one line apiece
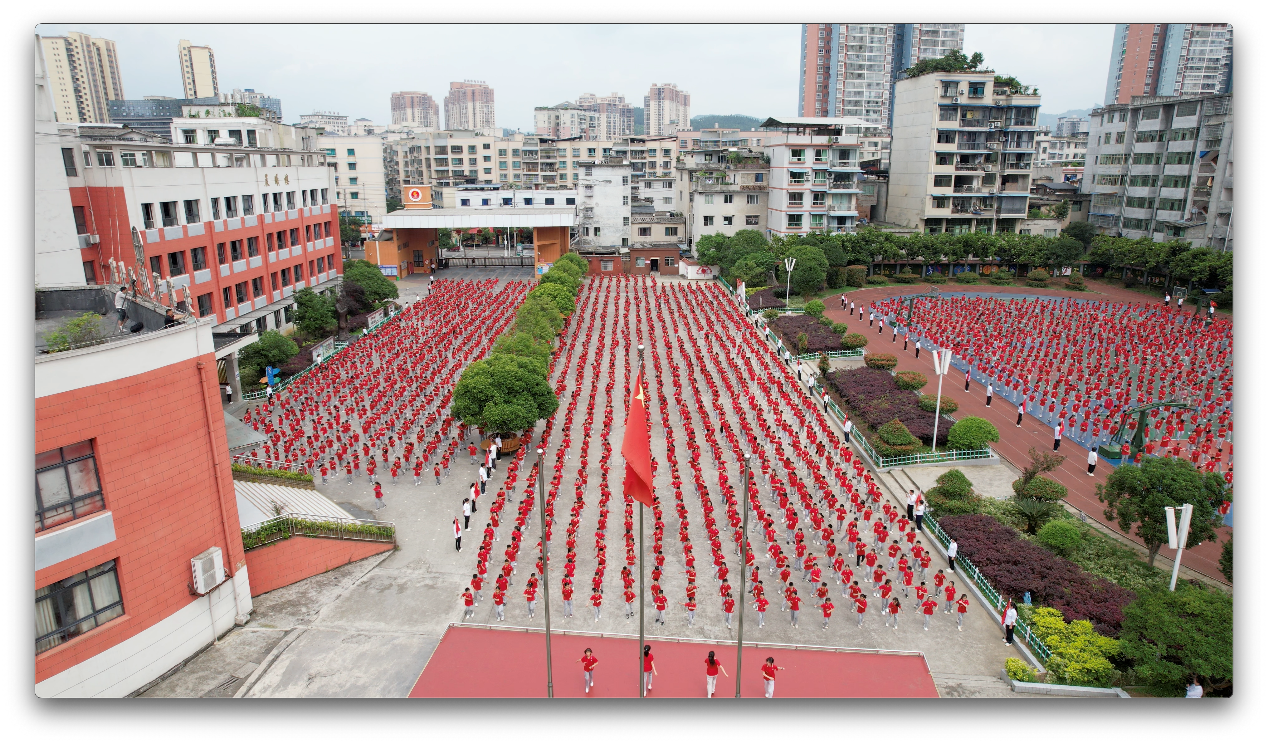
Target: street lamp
point(789, 263)
point(541, 505)
point(1176, 538)
point(941, 365)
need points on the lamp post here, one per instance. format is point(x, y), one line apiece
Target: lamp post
point(941, 365)
point(789, 263)
point(1176, 538)
point(739, 640)
point(541, 505)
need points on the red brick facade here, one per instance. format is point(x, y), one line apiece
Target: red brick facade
point(285, 562)
point(169, 497)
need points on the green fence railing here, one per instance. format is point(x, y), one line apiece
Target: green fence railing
point(730, 290)
point(902, 461)
point(966, 568)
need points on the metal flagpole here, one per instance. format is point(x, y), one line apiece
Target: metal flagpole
point(541, 496)
point(642, 690)
point(739, 641)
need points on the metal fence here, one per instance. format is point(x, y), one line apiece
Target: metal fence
point(966, 568)
point(285, 526)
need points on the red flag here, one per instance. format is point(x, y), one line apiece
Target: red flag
point(637, 447)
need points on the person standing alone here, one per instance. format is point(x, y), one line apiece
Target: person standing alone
point(1010, 621)
point(457, 535)
point(711, 668)
point(768, 675)
point(1091, 461)
point(588, 662)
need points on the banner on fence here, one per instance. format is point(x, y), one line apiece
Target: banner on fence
point(374, 318)
point(388, 270)
point(324, 350)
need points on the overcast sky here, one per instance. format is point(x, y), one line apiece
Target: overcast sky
point(749, 69)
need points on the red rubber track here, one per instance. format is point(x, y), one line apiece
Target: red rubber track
point(472, 662)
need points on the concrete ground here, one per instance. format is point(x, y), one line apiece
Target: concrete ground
point(368, 628)
point(992, 481)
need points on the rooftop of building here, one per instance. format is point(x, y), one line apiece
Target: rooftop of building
point(56, 306)
point(820, 124)
point(1137, 101)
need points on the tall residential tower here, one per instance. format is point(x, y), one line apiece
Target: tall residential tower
point(469, 106)
point(666, 110)
point(198, 70)
point(83, 75)
point(1170, 59)
point(416, 108)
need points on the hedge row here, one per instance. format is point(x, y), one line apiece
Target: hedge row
point(270, 473)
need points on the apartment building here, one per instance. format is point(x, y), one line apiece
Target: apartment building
point(1070, 125)
point(198, 70)
point(1162, 167)
point(615, 117)
point(666, 110)
point(723, 188)
point(963, 150)
point(849, 70)
point(1169, 59)
point(565, 120)
point(603, 221)
point(814, 175)
point(1053, 149)
point(451, 158)
point(357, 163)
point(83, 77)
point(413, 107)
point(469, 106)
point(330, 121)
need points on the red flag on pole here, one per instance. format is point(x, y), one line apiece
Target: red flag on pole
point(637, 447)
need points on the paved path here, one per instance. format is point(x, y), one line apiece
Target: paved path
point(1015, 442)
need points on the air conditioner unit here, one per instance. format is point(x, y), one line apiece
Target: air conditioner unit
point(94, 239)
point(209, 570)
point(955, 100)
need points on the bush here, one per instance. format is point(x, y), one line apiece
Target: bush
point(1019, 670)
point(880, 361)
point(936, 279)
point(953, 495)
point(1038, 278)
point(854, 341)
point(905, 277)
point(1040, 489)
point(803, 343)
point(1015, 566)
point(894, 433)
point(877, 279)
point(272, 350)
point(971, 433)
point(1002, 278)
point(1075, 282)
point(1171, 636)
point(840, 328)
point(875, 399)
point(370, 278)
point(77, 332)
point(826, 322)
point(955, 484)
point(582, 266)
point(1080, 655)
point(780, 292)
point(855, 276)
point(909, 380)
point(1060, 537)
point(270, 473)
point(770, 315)
point(561, 298)
point(836, 279)
point(967, 277)
point(930, 403)
point(815, 308)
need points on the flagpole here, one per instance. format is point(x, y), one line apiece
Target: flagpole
point(541, 496)
point(642, 691)
point(739, 642)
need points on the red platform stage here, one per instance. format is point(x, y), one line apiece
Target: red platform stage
point(482, 662)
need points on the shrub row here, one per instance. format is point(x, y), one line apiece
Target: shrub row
point(270, 473)
point(1015, 566)
point(877, 399)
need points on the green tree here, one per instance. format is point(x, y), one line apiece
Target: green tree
point(1168, 637)
point(564, 279)
point(811, 270)
point(952, 61)
point(1082, 232)
point(445, 239)
point(754, 268)
point(971, 433)
point(524, 345)
point(249, 110)
point(376, 286)
point(1136, 496)
point(572, 259)
point(394, 204)
point(1061, 209)
point(539, 318)
point(1035, 498)
point(350, 229)
point(1226, 559)
point(272, 350)
point(504, 394)
point(815, 308)
point(556, 294)
point(314, 313)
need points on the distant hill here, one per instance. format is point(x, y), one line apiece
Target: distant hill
point(729, 121)
point(1050, 120)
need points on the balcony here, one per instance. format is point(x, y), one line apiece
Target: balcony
point(973, 123)
point(1016, 166)
point(976, 146)
point(847, 165)
point(970, 190)
point(970, 166)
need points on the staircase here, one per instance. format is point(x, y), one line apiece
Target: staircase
point(972, 686)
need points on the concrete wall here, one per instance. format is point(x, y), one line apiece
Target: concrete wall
point(287, 561)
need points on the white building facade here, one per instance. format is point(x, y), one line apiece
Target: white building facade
point(814, 175)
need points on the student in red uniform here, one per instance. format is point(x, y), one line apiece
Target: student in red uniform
point(860, 607)
point(711, 668)
point(928, 606)
point(567, 594)
point(588, 661)
point(690, 604)
point(596, 599)
point(891, 612)
point(827, 608)
point(762, 603)
point(468, 600)
point(649, 666)
point(949, 593)
point(499, 602)
point(961, 609)
point(477, 583)
point(530, 595)
point(768, 675)
point(794, 605)
point(728, 608)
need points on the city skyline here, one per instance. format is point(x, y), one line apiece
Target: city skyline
point(762, 85)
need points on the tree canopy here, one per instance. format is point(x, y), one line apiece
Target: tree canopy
point(1171, 636)
point(1136, 496)
point(504, 393)
point(272, 350)
point(952, 61)
point(314, 313)
point(365, 274)
point(558, 295)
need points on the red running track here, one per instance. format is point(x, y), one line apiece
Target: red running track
point(476, 662)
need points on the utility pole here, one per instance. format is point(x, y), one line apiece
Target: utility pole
point(642, 690)
point(541, 504)
point(739, 641)
point(941, 365)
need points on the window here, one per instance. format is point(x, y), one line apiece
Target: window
point(290, 199)
point(215, 208)
point(464, 202)
point(248, 204)
point(455, 149)
point(1139, 202)
point(198, 257)
point(294, 236)
point(105, 158)
point(81, 221)
point(750, 219)
point(549, 201)
point(818, 199)
point(570, 200)
point(596, 231)
point(235, 250)
point(76, 605)
point(528, 202)
point(728, 198)
point(1170, 205)
point(671, 232)
point(308, 233)
point(470, 149)
point(728, 220)
point(708, 221)
point(1143, 181)
point(253, 246)
point(1132, 223)
point(752, 198)
point(625, 221)
point(221, 258)
point(644, 232)
point(816, 222)
point(191, 211)
point(324, 198)
point(128, 159)
point(352, 181)
point(639, 262)
point(794, 221)
point(605, 264)
point(357, 195)
point(231, 206)
point(257, 286)
point(759, 177)
point(625, 241)
point(1179, 158)
point(286, 277)
point(625, 180)
point(68, 161)
point(240, 290)
point(797, 155)
point(321, 264)
point(1174, 182)
point(796, 198)
point(66, 485)
point(352, 153)
point(204, 305)
point(176, 263)
point(1104, 179)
